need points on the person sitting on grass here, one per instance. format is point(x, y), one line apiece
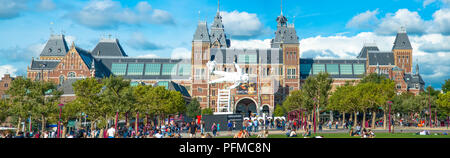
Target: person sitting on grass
point(371, 134)
point(364, 133)
point(307, 133)
point(293, 134)
point(288, 132)
point(353, 133)
point(239, 134)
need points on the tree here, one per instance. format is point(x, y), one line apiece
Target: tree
point(317, 89)
point(337, 101)
point(45, 99)
point(193, 109)
point(279, 111)
point(207, 111)
point(19, 94)
point(88, 93)
point(4, 110)
point(117, 95)
point(444, 104)
point(294, 101)
point(446, 86)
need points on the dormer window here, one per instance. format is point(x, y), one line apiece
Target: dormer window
point(59, 50)
point(50, 50)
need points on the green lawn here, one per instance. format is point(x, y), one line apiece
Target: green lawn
point(378, 135)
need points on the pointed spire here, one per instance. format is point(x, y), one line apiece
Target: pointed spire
point(281, 7)
point(218, 6)
point(417, 67)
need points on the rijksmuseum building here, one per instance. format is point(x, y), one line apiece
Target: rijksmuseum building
point(272, 73)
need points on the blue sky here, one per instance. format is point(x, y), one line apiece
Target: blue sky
point(164, 28)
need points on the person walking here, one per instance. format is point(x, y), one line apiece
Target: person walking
point(230, 127)
point(214, 129)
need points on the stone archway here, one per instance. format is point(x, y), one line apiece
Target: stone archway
point(246, 106)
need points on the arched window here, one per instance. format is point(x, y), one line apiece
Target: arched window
point(6, 85)
point(71, 74)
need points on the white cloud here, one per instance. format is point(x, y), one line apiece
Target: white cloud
point(242, 24)
point(428, 2)
point(441, 21)
point(181, 53)
point(7, 69)
point(403, 17)
point(12, 8)
point(103, 14)
point(367, 19)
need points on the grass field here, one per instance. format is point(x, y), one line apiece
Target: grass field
point(378, 135)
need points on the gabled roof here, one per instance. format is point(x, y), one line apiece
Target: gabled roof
point(381, 58)
point(366, 49)
point(402, 41)
point(56, 46)
point(412, 80)
point(108, 47)
point(44, 64)
point(202, 34)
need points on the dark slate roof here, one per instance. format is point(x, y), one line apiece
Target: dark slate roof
point(285, 33)
point(331, 61)
point(228, 55)
point(202, 34)
point(44, 64)
point(381, 58)
point(175, 87)
point(109, 47)
point(86, 56)
point(103, 67)
point(412, 80)
point(218, 32)
point(366, 49)
point(56, 46)
point(402, 41)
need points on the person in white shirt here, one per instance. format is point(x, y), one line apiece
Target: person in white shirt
point(158, 135)
point(111, 132)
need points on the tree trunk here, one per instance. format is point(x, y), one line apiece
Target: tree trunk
point(356, 120)
point(92, 125)
point(364, 119)
point(101, 133)
point(384, 119)
point(343, 117)
point(374, 114)
point(136, 125)
point(43, 124)
point(63, 135)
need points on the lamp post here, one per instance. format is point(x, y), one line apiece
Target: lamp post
point(389, 103)
point(59, 120)
point(264, 116)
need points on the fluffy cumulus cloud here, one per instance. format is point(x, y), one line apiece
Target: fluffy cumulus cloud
point(364, 20)
point(12, 8)
point(7, 69)
point(242, 24)
point(18, 58)
point(403, 17)
point(104, 14)
point(181, 53)
point(250, 44)
point(411, 20)
point(139, 42)
point(148, 56)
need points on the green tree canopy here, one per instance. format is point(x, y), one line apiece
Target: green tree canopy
point(193, 109)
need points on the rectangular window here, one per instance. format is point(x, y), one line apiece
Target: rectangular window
point(359, 69)
point(291, 73)
point(184, 69)
point(169, 69)
point(152, 69)
point(119, 69)
point(305, 69)
point(135, 69)
point(346, 69)
point(247, 59)
point(317, 68)
point(333, 69)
